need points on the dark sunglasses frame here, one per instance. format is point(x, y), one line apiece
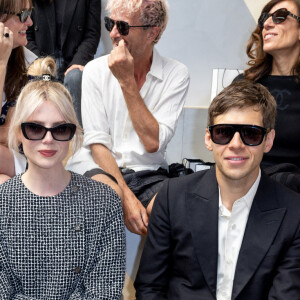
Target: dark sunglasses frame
point(278, 16)
point(122, 26)
point(23, 15)
point(71, 126)
point(238, 128)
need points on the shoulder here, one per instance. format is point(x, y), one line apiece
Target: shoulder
point(202, 183)
point(96, 68)
point(272, 191)
point(11, 189)
point(95, 193)
point(239, 77)
point(171, 66)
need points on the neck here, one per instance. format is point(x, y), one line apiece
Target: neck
point(232, 189)
point(46, 182)
point(283, 63)
point(142, 66)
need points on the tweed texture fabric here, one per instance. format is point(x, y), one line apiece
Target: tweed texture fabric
point(68, 246)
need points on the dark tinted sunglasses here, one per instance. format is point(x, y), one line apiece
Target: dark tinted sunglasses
point(24, 15)
point(278, 16)
point(36, 132)
point(122, 26)
point(251, 135)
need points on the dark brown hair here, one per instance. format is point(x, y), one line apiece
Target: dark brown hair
point(261, 62)
point(16, 68)
point(241, 94)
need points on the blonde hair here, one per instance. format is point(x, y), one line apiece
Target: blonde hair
point(152, 12)
point(37, 92)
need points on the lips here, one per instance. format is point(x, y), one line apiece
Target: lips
point(269, 35)
point(236, 159)
point(47, 153)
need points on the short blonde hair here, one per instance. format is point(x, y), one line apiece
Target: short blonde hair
point(152, 12)
point(37, 92)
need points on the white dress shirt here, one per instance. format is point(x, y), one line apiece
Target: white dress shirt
point(231, 232)
point(106, 119)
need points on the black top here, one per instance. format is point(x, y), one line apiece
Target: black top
point(286, 91)
point(59, 15)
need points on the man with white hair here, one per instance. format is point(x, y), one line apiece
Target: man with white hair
point(131, 101)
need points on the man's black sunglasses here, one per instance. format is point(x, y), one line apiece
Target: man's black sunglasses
point(251, 135)
point(122, 26)
point(36, 132)
point(23, 15)
point(278, 16)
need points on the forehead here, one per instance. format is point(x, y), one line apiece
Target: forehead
point(47, 111)
point(248, 115)
point(129, 18)
point(289, 5)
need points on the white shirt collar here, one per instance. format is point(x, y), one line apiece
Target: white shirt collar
point(156, 69)
point(248, 198)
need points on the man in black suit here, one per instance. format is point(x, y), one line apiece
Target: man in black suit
point(230, 232)
point(68, 30)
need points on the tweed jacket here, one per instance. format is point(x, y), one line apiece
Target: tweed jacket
point(68, 246)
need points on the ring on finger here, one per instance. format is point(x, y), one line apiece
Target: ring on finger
point(6, 34)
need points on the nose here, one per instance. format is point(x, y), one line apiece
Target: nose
point(114, 32)
point(29, 22)
point(236, 141)
point(269, 23)
point(48, 138)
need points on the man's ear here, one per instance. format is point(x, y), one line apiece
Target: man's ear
point(269, 141)
point(153, 33)
point(208, 141)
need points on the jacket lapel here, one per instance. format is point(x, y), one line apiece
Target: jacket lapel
point(263, 224)
point(202, 209)
point(68, 16)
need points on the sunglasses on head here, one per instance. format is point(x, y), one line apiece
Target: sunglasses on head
point(278, 17)
point(251, 135)
point(36, 132)
point(122, 26)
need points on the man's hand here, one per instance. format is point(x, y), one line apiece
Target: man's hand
point(135, 215)
point(6, 44)
point(121, 63)
point(80, 67)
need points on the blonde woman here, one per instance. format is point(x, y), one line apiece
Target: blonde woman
point(62, 234)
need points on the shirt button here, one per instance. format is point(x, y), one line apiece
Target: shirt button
point(78, 227)
point(233, 227)
point(77, 270)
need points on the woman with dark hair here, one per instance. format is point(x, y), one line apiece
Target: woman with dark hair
point(14, 59)
point(274, 52)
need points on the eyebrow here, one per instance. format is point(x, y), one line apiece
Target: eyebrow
point(43, 123)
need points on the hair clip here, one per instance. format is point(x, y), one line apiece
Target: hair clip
point(44, 77)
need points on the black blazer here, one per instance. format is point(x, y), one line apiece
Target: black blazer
point(80, 30)
point(180, 256)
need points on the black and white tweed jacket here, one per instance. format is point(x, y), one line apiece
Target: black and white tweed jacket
point(69, 246)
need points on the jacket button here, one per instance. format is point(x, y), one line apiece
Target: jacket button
point(77, 270)
point(79, 28)
point(74, 188)
point(78, 227)
point(36, 28)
